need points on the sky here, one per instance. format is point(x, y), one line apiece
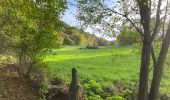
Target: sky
point(69, 18)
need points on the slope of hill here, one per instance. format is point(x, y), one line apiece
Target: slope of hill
point(75, 36)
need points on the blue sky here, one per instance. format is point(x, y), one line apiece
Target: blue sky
point(70, 13)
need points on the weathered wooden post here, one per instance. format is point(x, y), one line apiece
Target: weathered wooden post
point(74, 85)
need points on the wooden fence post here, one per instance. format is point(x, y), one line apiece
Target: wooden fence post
point(74, 85)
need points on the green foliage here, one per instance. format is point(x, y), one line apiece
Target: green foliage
point(74, 36)
point(115, 97)
point(5, 59)
point(30, 27)
point(44, 89)
point(83, 40)
point(93, 88)
point(94, 97)
point(95, 91)
point(127, 93)
point(57, 81)
point(128, 36)
point(104, 18)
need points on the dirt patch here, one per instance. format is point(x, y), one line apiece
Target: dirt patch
point(12, 87)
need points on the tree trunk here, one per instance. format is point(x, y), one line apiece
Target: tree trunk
point(145, 14)
point(29, 70)
point(157, 73)
point(20, 65)
point(144, 71)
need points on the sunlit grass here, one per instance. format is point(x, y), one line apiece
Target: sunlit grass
point(103, 65)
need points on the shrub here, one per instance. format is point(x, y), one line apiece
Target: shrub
point(128, 94)
point(94, 97)
point(93, 89)
point(57, 81)
point(92, 47)
point(128, 36)
point(116, 97)
point(44, 89)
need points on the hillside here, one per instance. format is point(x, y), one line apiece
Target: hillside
point(74, 36)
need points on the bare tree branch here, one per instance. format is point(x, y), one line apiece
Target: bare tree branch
point(153, 56)
point(163, 27)
point(140, 31)
point(157, 21)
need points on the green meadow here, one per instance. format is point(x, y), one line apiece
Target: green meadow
point(105, 65)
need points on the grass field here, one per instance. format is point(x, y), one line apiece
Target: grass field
point(103, 65)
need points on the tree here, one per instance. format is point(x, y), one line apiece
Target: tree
point(83, 40)
point(107, 16)
point(103, 42)
point(76, 37)
point(128, 36)
point(31, 27)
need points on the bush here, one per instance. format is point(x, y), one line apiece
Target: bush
point(94, 97)
point(57, 81)
point(93, 89)
point(116, 97)
point(128, 36)
point(128, 94)
point(92, 47)
point(43, 90)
